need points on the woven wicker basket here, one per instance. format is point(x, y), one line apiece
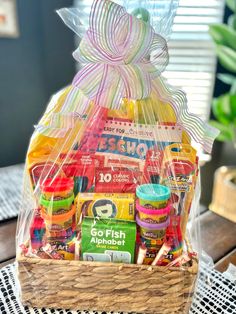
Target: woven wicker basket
point(106, 287)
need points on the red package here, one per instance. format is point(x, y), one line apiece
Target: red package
point(116, 180)
point(99, 161)
point(173, 231)
point(121, 163)
point(152, 167)
point(82, 169)
point(42, 171)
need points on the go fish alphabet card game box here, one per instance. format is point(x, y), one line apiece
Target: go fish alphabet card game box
point(108, 240)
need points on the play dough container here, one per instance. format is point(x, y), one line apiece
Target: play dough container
point(57, 188)
point(153, 195)
point(58, 207)
point(152, 216)
point(153, 231)
point(58, 222)
point(60, 235)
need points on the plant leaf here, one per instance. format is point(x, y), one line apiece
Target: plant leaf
point(227, 57)
point(233, 108)
point(226, 132)
point(227, 78)
point(223, 35)
point(233, 89)
point(224, 109)
point(231, 4)
point(232, 21)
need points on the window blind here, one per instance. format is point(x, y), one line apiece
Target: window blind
point(192, 54)
point(192, 61)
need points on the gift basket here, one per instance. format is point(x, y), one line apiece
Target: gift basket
point(111, 185)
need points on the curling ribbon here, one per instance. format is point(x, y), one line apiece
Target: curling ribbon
point(122, 57)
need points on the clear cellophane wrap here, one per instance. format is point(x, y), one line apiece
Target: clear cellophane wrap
point(112, 172)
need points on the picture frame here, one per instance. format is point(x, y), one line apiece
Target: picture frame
point(9, 27)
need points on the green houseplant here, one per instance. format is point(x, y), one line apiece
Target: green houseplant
point(224, 110)
point(224, 107)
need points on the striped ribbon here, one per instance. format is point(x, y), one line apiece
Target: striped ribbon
point(122, 57)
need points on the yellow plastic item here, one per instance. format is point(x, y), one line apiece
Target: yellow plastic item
point(45, 149)
point(67, 255)
point(180, 152)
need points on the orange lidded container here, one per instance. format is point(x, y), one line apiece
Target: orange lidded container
point(58, 222)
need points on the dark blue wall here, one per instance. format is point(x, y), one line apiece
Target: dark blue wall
point(32, 67)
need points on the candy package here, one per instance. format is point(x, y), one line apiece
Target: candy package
point(112, 174)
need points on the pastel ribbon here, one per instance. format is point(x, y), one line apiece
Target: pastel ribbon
point(122, 57)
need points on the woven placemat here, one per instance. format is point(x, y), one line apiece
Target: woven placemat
point(215, 294)
point(11, 179)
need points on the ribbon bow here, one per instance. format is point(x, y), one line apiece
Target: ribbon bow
point(122, 57)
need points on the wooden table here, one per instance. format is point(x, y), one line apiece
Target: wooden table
point(218, 240)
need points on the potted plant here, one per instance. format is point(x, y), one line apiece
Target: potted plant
point(224, 110)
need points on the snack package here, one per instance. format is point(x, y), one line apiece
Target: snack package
point(112, 173)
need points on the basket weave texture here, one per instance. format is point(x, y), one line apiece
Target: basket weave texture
point(106, 287)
